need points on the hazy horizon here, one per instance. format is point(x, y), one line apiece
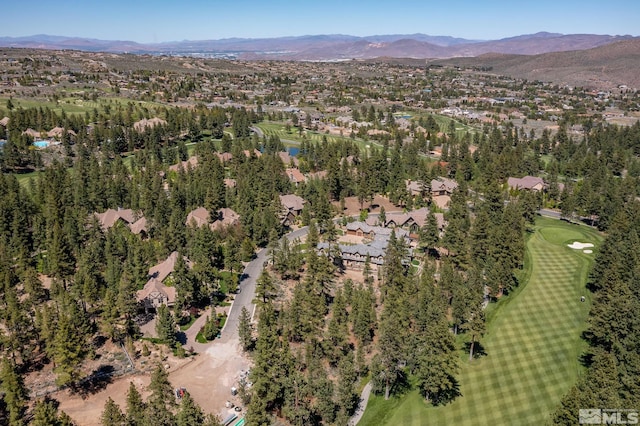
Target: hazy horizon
point(167, 21)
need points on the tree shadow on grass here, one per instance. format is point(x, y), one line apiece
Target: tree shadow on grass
point(181, 337)
point(478, 349)
point(447, 395)
point(402, 385)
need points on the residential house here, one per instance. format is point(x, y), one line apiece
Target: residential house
point(360, 229)
point(443, 186)
point(57, 132)
point(225, 156)
point(136, 222)
point(295, 176)
point(255, 152)
point(33, 133)
point(143, 124)
point(529, 183)
point(198, 217)
point(155, 292)
point(192, 163)
point(355, 255)
point(414, 187)
point(288, 159)
point(224, 217)
point(411, 221)
point(321, 174)
point(291, 208)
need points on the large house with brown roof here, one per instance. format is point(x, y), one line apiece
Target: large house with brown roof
point(529, 183)
point(224, 217)
point(443, 186)
point(136, 222)
point(58, 132)
point(192, 162)
point(143, 124)
point(155, 292)
point(291, 208)
point(288, 159)
point(414, 187)
point(295, 176)
point(410, 221)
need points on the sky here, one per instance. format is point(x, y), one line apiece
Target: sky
point(154, 21)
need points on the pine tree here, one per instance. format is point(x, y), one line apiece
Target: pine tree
point(15, 393)
point(347, 398)
point(265, 287)
point(166, 326)
point(297, 404)
point(64, 420)
point(161, 402)
point(45, 413)
point(266, 373)
point(135, 407)
point(429, 234)
point(189, 414)
point(60, 258)
point(211, 420)
point(434, 348)
point(112, 415)
point(337, 332)
point(456, 233)
point(363, 316)
point(69, 347)
point(476, 328)
point(385, 365)
point(186, 287)
point(245, 330)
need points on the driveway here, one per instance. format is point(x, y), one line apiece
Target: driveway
point(248, 289)
point(192, 332)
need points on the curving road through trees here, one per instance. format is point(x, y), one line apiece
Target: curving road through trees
point(248, 288)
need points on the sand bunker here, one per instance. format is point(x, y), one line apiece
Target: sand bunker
point(587, 251)
point(579, 246)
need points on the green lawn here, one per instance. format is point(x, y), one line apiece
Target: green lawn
point(461, 128)
point(188, 325)
point(532, 344)
point(279, 129)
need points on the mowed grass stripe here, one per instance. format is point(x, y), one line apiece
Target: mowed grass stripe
point(532, 344)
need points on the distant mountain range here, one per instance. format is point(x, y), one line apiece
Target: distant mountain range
point(330, 47)
point(603, 67)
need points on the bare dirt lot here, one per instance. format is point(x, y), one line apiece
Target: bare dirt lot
point(208, 377)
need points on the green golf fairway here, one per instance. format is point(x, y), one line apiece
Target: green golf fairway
point(532, 344)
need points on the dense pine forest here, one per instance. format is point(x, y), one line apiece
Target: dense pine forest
point(318, 333)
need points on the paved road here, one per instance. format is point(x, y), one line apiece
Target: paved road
point(364, 398)
point(193, 331)
point(248, 289)
point(550, 213)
